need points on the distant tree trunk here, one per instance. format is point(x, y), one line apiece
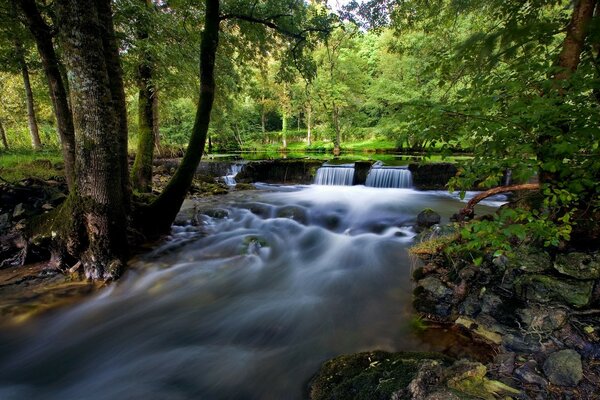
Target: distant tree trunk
point(98, 201)
point(336, 126)
point(64, 120)
point(164, 209)
point(36, 143)
point(263, 116)
point(308, 123)
point(141, 174)
point(156, 121)
point(3, 136)
point(298, 127)
point(284, 124)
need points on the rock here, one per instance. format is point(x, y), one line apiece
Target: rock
point(433, 297)
point(520, 344)
point(483, 329)
point(217, 213)
point(544, 288)
point(564, 368)
point(471, 306)
point(470, 378)
point(428, 377)
point(296, 213)
point(186, 213)
point(426, 219)
point(4, 218)
point(369, 375)
point(18, 210)
point(528, 373)
point(579, 265)
point(542, 319)
point(490, 303)
point(432, 176)
point(531, 260)
point(361, 171)
point(506, 363)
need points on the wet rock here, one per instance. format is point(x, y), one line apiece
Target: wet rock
point(529, 373)
point(433, 297)
point(260, 209)
point(470, 378)
point(4, 219)
point(471, 306)
point(531, 260)
point(490, 303)
point(244, 186)
point(292, 212)
point(542, 319)
point(18, 210)
point(432, 176)
point(578, 265)
point(427, 377)
point(186, 213)
point(217, 213)
point(564, 368)
point(485, 328)
point(426, 219)
point(369, 375)
point(506, 363)
point(520, 344)
point(544, 288)
point(361, 171)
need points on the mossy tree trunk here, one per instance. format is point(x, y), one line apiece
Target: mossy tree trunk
point(43, 37)
point(308, 123)
point(36, 143)
point(3, 136)
point(163, 210)
point(98, 202)
point(141, 174)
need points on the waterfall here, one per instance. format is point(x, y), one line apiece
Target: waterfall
point(389, 177)
point(341, 175)
point(233, 170)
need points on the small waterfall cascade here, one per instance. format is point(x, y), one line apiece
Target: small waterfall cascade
point(340, 175)
point(389, 177)
point(232, 172)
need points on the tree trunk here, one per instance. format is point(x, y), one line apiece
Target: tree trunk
point(117, 91)
point(336, 127)
point(308, 124)
point(567, 63)
point(156, 121)
point(3, 136)
point(263, 119)
point(141, 174)
point(64, 120)
point(36, 143)
point(164, 209)
point(98, 202)
point(284, 123)
point(577, 30)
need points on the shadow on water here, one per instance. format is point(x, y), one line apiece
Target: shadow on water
point(245, 305)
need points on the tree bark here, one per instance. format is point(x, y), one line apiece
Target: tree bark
point(308, 124)
point(3, 136)
point(98, 201)
point(117, 90)
point(577, 30)
point(336, 126)
point(156, 120)
point(58, 95)
point(164, 209)
point(36, 143)
point(284, 123)
point(141, 174)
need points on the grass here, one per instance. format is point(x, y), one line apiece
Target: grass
point(16, 165)
point(433, 246)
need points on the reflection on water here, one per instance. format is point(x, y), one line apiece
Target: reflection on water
point(244, 306)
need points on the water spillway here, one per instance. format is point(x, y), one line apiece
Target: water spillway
point(389, 177)
point(338, 175)
point(232, 172)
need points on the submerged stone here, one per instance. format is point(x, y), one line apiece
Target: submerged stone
point(578, 265)
point(564, 368)
point(544, 288)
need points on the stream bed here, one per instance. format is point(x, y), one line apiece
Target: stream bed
point(244, 303)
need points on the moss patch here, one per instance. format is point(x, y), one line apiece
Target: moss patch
point(367, 376)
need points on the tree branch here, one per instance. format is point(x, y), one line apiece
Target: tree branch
point(468, 210)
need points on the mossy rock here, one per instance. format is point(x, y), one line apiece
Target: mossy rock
point(579, 265)
point(531, 260)
point(544, 288)
point(367, 376)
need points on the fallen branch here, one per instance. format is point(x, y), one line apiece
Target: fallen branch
point(468, 211)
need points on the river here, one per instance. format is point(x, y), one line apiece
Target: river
point(243, 304)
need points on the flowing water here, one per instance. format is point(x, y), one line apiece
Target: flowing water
point(389, 178)
point(245, 304)
point(339, 175)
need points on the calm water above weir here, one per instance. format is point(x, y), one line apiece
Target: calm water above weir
point(242, 307)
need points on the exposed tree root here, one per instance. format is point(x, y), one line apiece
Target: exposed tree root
point(469, 210)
